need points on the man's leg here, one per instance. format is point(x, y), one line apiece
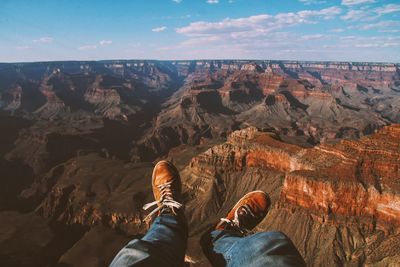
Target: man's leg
point(165, 242)
point(163, 245)
point(232, 245)
point(260, 249)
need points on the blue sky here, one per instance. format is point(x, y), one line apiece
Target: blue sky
point(340, 30)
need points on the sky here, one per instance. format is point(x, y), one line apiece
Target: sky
point(322, 30)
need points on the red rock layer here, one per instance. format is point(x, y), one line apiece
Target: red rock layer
point(347, 199)
point(352, 179)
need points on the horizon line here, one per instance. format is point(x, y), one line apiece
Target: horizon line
point(195, 60)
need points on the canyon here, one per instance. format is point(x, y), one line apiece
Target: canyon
point(80, 139)
point(326, 198)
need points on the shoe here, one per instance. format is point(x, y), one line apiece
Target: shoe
point(247, 213)
point(167, 188)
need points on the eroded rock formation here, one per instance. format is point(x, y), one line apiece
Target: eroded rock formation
point(79, 139)
point(346, 193)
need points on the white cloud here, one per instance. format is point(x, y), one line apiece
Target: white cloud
point(201, 41)
point(87, 47)
point(276, 36)
point(390, 44)
point(287, 46)
point(366, 45)
point(105, 42)
point(308, 37)
point(22, 47)
point(326, 13)
point(312, 2)
point(177, 1)
point(389, 31)
point(356, 2)
point(252, 36)
point(44, 40)
point(369, 14)
point(257, 25)
point(159, 29)
point(224, 26)
point(386, 24)
point(390, 8)
point(212, 1)
point(362, 15)
point(368, 42)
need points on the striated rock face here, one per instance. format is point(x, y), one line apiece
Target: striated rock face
point(90, 190)
point(181, 102)
point(61, 90)
point(105, 100)
point(308, 102)
point(352, 178)
point(343, 199)
point(11, 100)
point(347, 193)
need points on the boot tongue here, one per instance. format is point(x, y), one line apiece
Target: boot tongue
point(244, 217)
point(167, 210)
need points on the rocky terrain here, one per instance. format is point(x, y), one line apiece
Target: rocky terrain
point(340, 200)
point(79, 140)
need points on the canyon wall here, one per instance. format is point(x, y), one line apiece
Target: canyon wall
point(79, 140)
point(347, 193)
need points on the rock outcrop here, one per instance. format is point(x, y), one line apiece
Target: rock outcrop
point(346, 193)
point(216, 101)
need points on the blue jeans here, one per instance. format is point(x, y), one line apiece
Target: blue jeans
point(260, 249)
point(165, 245)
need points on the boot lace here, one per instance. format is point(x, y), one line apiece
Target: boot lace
point(165, 203)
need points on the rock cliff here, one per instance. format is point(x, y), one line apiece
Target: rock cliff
point(347, 194)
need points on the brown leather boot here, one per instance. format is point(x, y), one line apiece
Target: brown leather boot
point(167, 186)
point(247, 213)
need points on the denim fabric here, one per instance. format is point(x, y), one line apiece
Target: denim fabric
point(260, 249)
point(163, 245)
